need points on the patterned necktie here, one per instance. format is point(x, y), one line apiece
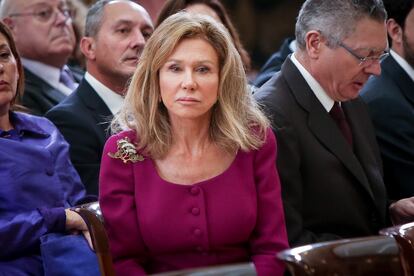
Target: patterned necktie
point(339, 117)
point(67, 79)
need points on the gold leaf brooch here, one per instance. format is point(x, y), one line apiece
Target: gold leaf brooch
point(126, 151)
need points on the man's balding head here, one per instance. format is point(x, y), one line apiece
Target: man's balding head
point(115, 34)
point(42, 29)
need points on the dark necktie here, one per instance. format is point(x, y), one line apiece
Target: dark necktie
point(67, 79)
point(339, 117)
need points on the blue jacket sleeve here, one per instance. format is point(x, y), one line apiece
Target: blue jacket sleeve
point(22, 233)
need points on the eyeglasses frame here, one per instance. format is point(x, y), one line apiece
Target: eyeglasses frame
point(366, 59)
point(65, 11)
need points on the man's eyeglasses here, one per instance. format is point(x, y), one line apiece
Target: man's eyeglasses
point(367, 60)
point(47, 13)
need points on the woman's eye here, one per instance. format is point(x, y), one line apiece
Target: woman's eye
point(203, 69)
point(174, 68)
point(5, 55)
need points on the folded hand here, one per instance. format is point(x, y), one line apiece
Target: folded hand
point(75, 224)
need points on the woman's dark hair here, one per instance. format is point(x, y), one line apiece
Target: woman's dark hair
point(173, 6)
point(4, 30)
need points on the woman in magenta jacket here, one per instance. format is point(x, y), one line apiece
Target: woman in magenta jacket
point(192, 182)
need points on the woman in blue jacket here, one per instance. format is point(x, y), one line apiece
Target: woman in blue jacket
point(38, 182)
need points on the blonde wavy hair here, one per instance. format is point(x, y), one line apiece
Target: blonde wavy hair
point(236, 120)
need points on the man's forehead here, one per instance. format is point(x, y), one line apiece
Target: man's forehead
point(118, 11)
point(31, 3)
point(369, 34)
point(126, 4)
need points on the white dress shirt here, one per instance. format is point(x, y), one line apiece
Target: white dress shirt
point(326, 101)
point(112, 99)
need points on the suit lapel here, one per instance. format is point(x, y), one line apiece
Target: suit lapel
point(400, 77)
point(363, 150)
point(321, 124)
point(52, 94)
point(98, 109)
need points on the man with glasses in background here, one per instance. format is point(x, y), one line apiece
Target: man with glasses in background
point(45, 39)
point(328, 159)
point(390, 98)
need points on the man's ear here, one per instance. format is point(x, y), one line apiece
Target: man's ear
point(313, 40)
point(395, 32)
point(9, 22)
point(88, 47)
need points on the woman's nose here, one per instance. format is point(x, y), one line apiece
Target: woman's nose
point(188, 82)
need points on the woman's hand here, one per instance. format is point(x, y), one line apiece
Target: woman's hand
point(75, 224)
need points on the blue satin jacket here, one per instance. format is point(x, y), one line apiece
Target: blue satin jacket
point(37, 182)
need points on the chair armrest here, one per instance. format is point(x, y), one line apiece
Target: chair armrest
point(404, 236)
point(93, 207)
point(99, 240)
point(243, 269)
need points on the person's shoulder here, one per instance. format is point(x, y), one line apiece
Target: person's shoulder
point(123, 146)
point(269, 85)
point(275, 97)
point(267, 136)
point(386, 83)
point(35, 123)
point(70, 106)
point(26, 117)
point(33, 83)
point(378, 87)
point(30, 77)
point(378, 82)
point(31, 88)
point(128, 135)
point(270, 139)
point(267, 148)
point(273, 91)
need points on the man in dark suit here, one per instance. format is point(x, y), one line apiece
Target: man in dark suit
point(274, 63)
point(390, 98)
point(328, 159)
point(115, 35)
point(45, 39)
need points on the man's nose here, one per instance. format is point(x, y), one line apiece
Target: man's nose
point(374, 68)
point(60, 17)
point(137, 39)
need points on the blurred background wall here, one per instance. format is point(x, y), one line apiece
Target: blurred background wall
point(262, 24)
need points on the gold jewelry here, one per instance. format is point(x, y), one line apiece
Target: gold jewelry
point(126, 151)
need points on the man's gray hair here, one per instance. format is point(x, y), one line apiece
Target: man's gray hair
point(94, 18)
point(335, 19)
point(6, 7)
